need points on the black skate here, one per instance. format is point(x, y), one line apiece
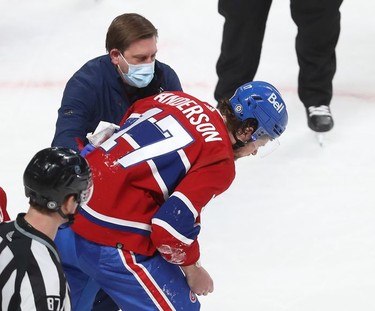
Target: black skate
point(319, 118)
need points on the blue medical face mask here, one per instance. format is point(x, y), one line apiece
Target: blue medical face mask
point(138, 75)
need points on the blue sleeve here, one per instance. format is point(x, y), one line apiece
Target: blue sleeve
point(74, 114)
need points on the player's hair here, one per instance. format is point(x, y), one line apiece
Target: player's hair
point(126, 29)
point(235, 125)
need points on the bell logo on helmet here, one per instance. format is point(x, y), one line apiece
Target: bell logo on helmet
point(278, 106)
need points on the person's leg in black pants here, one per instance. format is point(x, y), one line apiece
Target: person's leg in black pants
point(243, 33)
point(318, 23)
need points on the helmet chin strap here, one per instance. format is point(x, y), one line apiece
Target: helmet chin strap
point(69, 217)
point(238, 143)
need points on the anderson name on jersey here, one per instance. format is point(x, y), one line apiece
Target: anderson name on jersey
point(152, 178)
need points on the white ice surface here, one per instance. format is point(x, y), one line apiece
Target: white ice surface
point(296, 231)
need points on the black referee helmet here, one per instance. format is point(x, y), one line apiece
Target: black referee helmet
point(55, 173)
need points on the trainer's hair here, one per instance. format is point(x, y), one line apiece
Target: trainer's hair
point(235, 125)
point(126, 29)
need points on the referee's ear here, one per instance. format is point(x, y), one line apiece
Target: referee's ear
point(70, 205)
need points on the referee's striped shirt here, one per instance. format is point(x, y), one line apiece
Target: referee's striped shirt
point(31, 276)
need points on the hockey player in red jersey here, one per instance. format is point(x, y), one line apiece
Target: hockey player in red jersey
point(3, 206)
point(137, 237)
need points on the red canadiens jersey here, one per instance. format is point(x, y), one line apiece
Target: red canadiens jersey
point(152, 178)
point(3, 205)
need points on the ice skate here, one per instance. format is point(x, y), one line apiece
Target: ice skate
point(319, 118)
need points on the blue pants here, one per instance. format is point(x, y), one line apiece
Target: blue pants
point(134, 282)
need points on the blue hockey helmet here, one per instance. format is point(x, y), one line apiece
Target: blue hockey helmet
point(261, 101)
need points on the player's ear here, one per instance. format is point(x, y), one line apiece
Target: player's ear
point(249, 130)
point(245, 131)
point(244, 134)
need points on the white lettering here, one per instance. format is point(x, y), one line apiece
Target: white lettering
point(278, 106)
point(200, 119)
point(193, 112)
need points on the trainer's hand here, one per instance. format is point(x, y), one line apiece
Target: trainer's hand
point(198, 279)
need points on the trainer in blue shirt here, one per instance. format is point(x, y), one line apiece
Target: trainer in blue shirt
point(105, 87)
